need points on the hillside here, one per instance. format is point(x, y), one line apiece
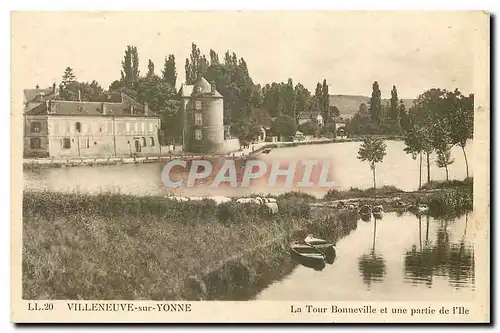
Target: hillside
point(349, 104)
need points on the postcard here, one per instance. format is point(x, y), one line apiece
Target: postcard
point(250, 167)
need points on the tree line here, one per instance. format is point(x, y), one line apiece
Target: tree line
point(283, 101)
point(438, 120)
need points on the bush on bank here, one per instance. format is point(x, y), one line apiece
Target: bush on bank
point(355, 192)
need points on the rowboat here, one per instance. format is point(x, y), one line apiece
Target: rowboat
point(323, 246)
point(378, 211)
point(307, 256)
point(365, 210)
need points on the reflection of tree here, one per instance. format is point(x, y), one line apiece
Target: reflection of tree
point(419, 263)
point(454, 260)
point(372, 265)
point(461, 261)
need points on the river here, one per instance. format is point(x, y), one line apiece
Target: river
point(394, 258)
point(429, 260)
point(397, 169)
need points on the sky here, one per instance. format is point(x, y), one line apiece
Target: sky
point(413, 50)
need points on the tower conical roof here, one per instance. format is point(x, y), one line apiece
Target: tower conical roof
point(202, 86)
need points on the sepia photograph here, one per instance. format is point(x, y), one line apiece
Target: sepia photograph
point(167, 159)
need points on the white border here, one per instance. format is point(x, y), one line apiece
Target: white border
point(7, 6)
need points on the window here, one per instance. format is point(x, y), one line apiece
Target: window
point(78, 126)
point(143, 141)
point(151, 127)
point(136, 128)
point(35, 143)
point(198, 119)
point(127, 127)
point(36, 127)
point(152, 141)
point(66, 143)
point(197, 105)
point(143, 127)
point(84, 143)
point(55, 128)
point(197, 134)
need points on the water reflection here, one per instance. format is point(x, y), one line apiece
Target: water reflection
point(444, 258)
point(372, 265)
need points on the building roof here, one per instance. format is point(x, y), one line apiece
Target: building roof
point(31, 94)
point(201, 87)
point(76, 108)
point(309, 114)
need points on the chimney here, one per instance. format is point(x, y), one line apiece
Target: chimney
point(40, 96)
point(131, 109)
point(48, 104)
point(146, 109)
point(212, 88)
point(53, 88)
point(103, 108)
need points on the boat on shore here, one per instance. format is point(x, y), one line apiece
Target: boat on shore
point(365, 210)
point(378, 211)
point(307, 256)
point(323, 246)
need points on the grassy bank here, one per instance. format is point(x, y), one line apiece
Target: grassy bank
point(114, 246)
point(444, 198)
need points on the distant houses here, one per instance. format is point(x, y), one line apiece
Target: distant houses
point(315, 117)
point(34, 97)
point(311, 116)
point(121, 126)
point(69, 129)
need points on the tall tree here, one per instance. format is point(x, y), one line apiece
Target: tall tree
point(130, 67)
point(376, 103)
point(393, 108)
point(169, 71)
point(444, 159)
point(214, 58)
point(461, 120)
point(372, 150)
point(196, 65)
point(68, 76)
point(404, 121)
point(325, 102)
point(151, 68)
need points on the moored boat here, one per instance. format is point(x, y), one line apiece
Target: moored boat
point(307, 255)
point(323, 246)
point(365, 210)
point(378, 211)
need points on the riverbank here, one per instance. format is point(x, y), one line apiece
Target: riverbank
point(114, 246)
point(252, 150)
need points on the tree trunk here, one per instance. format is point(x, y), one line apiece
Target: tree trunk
point(446, 168)
point(420, 231)
point(466, 163)
point(420, 173)
point(428, 168)
point(374, 183)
